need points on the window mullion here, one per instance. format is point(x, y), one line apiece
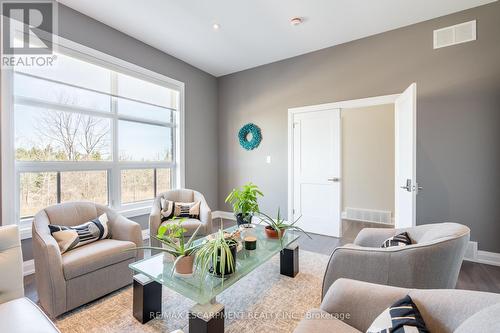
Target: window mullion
point(58, 186)
point(115, 170)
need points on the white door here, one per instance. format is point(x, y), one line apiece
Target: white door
point(316, 171)
point(405, 158)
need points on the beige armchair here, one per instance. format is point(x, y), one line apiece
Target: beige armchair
point(351, 306)
point(17, 313)
point(66, 281)
point(433, 261)
point(181, 195)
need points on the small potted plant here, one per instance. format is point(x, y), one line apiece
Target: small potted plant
point(276, 228)
point(173, 242)
point(218, 255)
point(244, 202)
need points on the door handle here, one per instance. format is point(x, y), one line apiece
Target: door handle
point(407, 187)
point(334, 179)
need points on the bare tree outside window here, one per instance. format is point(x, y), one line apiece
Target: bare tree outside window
point(66, 135)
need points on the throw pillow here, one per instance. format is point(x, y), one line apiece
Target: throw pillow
point(187, 209)
point(166, 209)
point(69, 238)
point(170, 209)
point(401, 317)
point(402, 239)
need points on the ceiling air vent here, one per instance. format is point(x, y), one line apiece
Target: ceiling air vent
point(457, 34)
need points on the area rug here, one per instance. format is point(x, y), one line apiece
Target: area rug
point(264, 301)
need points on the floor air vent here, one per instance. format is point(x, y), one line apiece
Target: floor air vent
point(368, 215)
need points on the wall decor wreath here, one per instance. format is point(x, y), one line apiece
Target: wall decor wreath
point(250, 136)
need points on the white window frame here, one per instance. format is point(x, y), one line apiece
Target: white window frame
point(11, 168)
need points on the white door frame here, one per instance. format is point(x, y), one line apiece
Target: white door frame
point(356, 103)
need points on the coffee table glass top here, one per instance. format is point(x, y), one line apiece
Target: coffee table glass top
point(202, 289)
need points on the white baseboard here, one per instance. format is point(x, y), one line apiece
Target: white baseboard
point(28, 267)
point(482, 257)
point(219, 214)
point(229, 216)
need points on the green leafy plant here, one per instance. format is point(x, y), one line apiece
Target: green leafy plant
point(244, 200)
point(173, 240)
point(216, 254)
point(280, 225)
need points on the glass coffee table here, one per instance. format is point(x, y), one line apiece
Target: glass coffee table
point(207, 315)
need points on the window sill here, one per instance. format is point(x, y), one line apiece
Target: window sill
point(25, 225)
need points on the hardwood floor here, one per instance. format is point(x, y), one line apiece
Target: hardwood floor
point(473, 276)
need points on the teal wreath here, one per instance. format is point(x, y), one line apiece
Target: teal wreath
point(256, 136)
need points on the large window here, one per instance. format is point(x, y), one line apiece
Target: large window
point(83, 130)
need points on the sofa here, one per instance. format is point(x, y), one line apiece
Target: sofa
point(76, 277)
point(351, 306)
point(17, 313)
point(432, 261)
point(181, 195)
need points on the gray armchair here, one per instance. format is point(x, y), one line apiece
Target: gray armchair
point(351, 306)
point(17, 313)
point(181, 195)
point(66, 281)
point(433, 261)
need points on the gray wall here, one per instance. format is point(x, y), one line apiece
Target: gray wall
point(458, 115)
point(200, 96)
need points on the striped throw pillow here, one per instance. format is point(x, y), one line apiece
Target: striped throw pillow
point(69, 238)
point(402, 239)
point(401, 317)
point(170, 209)
point(187, 209)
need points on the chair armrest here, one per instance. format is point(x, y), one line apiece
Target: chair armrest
point(433, 265)
point(355, 262)
point(205, 212)
point(11, 261)
point(373, 237)
point(50, 281)
point(360, 302)
point(154, 222)
point(126, 230)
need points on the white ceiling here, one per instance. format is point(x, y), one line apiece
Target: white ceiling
point(257, 32)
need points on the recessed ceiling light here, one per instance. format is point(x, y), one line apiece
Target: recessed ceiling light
point(296, 21)
point(216, 26)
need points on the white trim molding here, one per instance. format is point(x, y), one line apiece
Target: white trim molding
point(28, 267)
point(145, 234)
point(482, 257)
point(219, 214)
point(355, 103)
point(11, 168)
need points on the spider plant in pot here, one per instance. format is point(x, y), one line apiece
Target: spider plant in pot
point(173, 242)
point(276, 228)
point(244, 201)
point(217, 256)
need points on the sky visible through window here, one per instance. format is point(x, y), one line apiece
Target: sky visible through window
point(136, 141)
point(73, 113)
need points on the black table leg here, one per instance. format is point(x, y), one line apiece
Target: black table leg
point(206, 318)
point(146, 299)
point(289, 260)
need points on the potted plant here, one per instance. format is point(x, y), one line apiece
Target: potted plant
point(276, 228)
point(218, 255)
point(244, 202)
point(173, 242)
